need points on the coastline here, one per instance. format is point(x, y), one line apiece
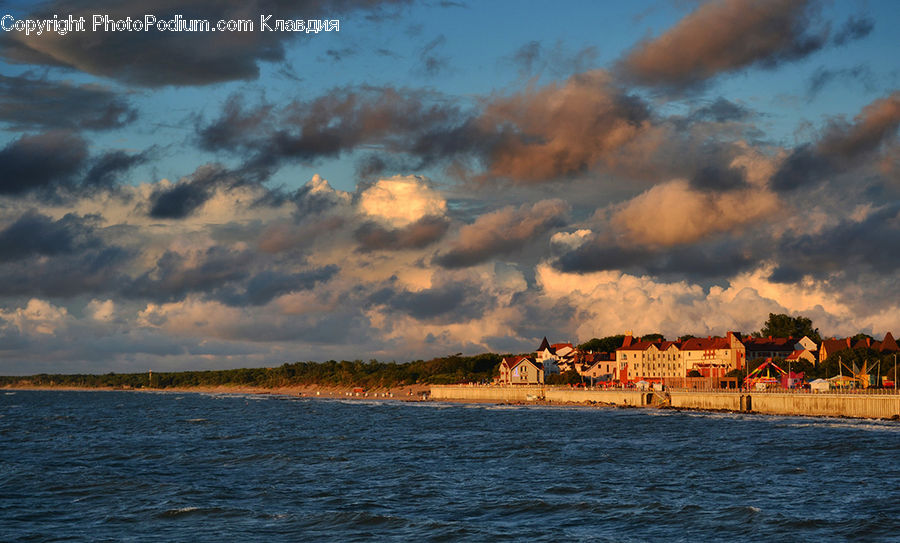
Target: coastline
point(411, 392)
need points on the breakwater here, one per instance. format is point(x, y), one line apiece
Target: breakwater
point(856, 405)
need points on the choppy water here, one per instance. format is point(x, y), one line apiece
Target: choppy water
point(120, 466)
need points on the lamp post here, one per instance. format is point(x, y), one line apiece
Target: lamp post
point(789, 376)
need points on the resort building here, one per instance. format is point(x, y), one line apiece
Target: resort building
point(636, 360)
point(713, 356)
point(521, 370)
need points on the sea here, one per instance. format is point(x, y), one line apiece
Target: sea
point(146, 466)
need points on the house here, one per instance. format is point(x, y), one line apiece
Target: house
point(638, 360)
point(521, 370)
point(597, 366)
point(713, 356)
point(832, 346)
point(886, 345)
point(771, 347)
point(550, 356)
point(801, 354)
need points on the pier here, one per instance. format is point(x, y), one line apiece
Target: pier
point(874, 404)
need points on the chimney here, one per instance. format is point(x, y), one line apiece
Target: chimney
point(627, 341)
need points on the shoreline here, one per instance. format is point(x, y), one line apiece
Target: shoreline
point(411, 392)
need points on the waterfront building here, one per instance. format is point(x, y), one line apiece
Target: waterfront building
point(713, 356)
point(774, 347)
point(654, 360)
point(521, 370)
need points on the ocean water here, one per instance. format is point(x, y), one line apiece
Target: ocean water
point(127, 466)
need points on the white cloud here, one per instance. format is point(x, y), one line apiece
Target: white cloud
point(401, 200)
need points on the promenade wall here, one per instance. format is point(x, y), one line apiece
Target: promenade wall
point(857, 405)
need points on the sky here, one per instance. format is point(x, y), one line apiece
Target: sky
point(440, 177)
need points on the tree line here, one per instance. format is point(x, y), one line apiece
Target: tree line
point(372, 374)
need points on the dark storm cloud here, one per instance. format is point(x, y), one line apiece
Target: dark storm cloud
point(422, 233)
point(267, 285)
point(188, 194)
point(28, 103)
point(845, 249)
point(727, 36)
point(326, 127)
point(41, 162)
point(842, 146)
point(176, 275)
point(57, 163)
point(148, 58)
point(90, 271)
point(502, 232)
point(718, 259)
point(451, 302)
point(108, 167)
point(853, 29)
point(34, 234)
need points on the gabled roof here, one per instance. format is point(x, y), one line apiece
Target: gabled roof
point(834, 345)
point(795, 355)
point(889, 344)
point(544, 345)
point(514, 361)
point(664, 346)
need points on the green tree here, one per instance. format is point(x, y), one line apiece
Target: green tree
point(781, 325)
point(603, 345)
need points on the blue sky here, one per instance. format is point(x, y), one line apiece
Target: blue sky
point(441, 177)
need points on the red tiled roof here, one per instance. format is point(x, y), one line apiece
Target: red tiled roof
point(705, 344)
point(889, 344)
point(639, 346)
point(770, 343)
point(516, 360)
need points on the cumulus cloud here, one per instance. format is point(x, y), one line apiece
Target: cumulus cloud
point(401, 200)
point(674, 213)
point(560, 130)
point(721, 37)
point(612, 302)
point(502, 232)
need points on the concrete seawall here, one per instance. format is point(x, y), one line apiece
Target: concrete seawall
point(804, 404)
